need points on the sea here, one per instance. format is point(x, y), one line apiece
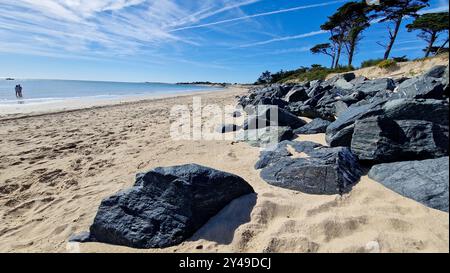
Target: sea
point(44, 91)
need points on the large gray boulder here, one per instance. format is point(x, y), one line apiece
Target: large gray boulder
point(165, 206)
point(436, 71)
point(436, 111)
point(266, 136)
point(339, 133)
point(316, 126)
point(425, 181)
point(422, 88)
point(371, 87)
point(380, 139)
point(227, 128)
point(272, 116)
point(445, 82)
point(296, 94)
point(313, 169)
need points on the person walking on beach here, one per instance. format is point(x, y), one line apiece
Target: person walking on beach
point(18, 91)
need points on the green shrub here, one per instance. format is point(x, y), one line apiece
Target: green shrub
point(386, 64)
point(371, 62)
point(401, 59)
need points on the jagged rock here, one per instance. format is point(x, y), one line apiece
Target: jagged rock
point(371, 87)
point(296, 94)
point(339, 107)
point(436, 71)
point(436, 111)
point(354, 97)
point(237, 114)
point(267, 136)
point(421, 88)
point(339, 132)
point(343, 84)
point(425, 181)
point(270, 95)
point(308, 111)
point(272, 116)
point(445, 82)
point(227, 128)
point(358, 80)
point(316, 126)
point(398, 81)
point(272, 156)
point(313, 169)
point(344, 76)
point(165, 206)
point(380, 139)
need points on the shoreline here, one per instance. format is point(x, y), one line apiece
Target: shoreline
point(57, 167)
point(73, 105)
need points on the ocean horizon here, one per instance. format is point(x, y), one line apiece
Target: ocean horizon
point(37, 91)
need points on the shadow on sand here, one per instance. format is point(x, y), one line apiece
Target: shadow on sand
point(221, 227)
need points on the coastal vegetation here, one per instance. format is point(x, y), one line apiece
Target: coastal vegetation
point(346, 27)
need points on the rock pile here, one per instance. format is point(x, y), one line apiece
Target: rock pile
point(367, 121)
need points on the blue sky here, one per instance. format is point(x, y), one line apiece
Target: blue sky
point(173, 40)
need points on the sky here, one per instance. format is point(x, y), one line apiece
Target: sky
point(175, 40)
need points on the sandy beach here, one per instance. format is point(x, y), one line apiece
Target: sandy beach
point(56, 168)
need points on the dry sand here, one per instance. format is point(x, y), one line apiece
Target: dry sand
point(405, 69)
point(55, 169)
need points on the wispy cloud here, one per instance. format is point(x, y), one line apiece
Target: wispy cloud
point(286, 38)
point(259, 15)
point(93, 27)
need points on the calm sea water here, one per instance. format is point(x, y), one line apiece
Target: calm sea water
point(39, 91)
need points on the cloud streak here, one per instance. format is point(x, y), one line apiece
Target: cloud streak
point(259, 15)
point(103, 27)
point(286, 38)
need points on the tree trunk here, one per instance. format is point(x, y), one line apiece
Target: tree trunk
point(351, 52)
point(398, 23)
point(430, 44)
point(332, 61)
point(338, 55)
point(441, 47)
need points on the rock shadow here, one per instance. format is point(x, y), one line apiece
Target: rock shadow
point(221, 228)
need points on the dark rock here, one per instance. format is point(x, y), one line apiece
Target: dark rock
point(339, 133)
point(316, 126)
point(398, 81)
point(445, 82)
point(371, 87)
point(270, 95)
point(354, 97)
point(226, 128)
point(339, 107)
point(308, 111)
point(421, 88)
point(296, 94)
point(344, 76)
point(436, 71)
point(343, 84)
point(436, 111)
point(318, 170)
point(237, 114)
point(280, 151)
point(358, 80)
point(379, 139)
point(267, 136)
point(166, 206)
point(272, 116)
point(424, 181)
